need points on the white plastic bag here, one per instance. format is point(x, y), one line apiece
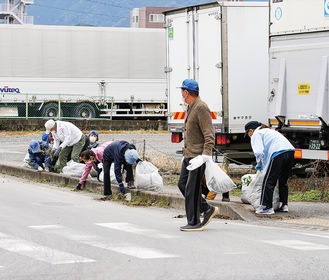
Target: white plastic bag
point(26, 161)
point(101, 175)
point(246, 181)
point(74, 169)
point(147, 177)
point(253, 192)
point(217, 180)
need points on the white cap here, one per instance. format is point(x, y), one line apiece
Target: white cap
point(49, 125)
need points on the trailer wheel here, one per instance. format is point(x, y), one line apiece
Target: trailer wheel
point(85, 111)
point(50, 110)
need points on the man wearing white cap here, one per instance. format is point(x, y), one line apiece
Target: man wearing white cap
point(121, 153)
point(68, 139)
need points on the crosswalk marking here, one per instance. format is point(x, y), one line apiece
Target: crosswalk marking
point(298, 244)
point(41, 253)
point(314, 235)
point(131, 228)
point(95, 241)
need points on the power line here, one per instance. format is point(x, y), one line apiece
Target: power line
point(107, 4)
point(82, 12)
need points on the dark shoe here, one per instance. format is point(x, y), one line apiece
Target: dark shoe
point(283, 208)
point(131, 185)
point(226, 199)
point(209, 214)
point(197, 227)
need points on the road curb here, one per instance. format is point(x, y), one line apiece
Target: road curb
point(230, 210)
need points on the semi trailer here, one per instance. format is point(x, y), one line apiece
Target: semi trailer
point(82, 72)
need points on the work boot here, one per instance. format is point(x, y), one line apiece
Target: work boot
point(211, 196)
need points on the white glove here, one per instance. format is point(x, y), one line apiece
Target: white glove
point(195, 163)
point(100, 165)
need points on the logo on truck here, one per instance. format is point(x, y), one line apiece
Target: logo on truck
point(8, 89)
point(326, 8)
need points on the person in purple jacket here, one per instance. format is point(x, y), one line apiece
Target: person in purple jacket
point(123, 155)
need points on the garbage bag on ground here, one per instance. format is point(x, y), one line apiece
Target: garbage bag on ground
point(74, 169)
point(216, 179)
point(101, 175)
point(147, 177)
point(252, 192)
point(26, 161)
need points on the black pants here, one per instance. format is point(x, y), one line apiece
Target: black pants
point(107, 178)
point(190, 186)
point(279, 169)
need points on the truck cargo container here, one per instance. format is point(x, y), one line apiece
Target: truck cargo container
point(82, 72)
point(224, 46)
point(298, 83)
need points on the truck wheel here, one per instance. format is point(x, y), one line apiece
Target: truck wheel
point(85, 111)
point(50, 110)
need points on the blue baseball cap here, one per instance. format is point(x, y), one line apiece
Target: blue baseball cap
point(131, 156)
point(45, 137)
point(190, 84)
point(34, 146)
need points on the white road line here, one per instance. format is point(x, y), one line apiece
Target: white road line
point(298, 245)
point(92, 240)
point(41, 253)
point(314, 235)
point(135, 229)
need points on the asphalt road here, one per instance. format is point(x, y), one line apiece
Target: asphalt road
point(52, 233)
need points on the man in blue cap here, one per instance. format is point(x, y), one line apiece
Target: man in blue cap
point(199, 140)
point(39, 155)
point(123, 155)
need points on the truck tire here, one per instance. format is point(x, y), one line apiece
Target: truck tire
point(85, 111)
point(50, 110)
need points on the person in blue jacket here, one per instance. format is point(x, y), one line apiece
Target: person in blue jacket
point(275, 156)
point(123, 155)
point(39, 155)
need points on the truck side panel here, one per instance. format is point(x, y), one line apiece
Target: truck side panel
point(295, 16)
point(245, 65)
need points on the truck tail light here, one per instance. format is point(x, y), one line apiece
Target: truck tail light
point(222, 140)
point(176, 137)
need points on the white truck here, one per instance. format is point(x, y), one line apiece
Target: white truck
point(82, 72)
point(224, 46)
point(298, 104)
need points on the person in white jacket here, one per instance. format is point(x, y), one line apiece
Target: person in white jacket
point(275, 156)
point(68, 139)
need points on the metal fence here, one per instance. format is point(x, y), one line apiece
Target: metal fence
point(70, 106)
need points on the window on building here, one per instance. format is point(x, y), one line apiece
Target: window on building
point(156, 18)
point(135, 19)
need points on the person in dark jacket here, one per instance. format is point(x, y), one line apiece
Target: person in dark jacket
point(123, 155)
point(39, 155)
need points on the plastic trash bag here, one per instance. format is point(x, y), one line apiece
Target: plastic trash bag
point(216, 179)
point(147, 177)
point(26, 161)
point(252, 193)
point(101, 175)
point(74, 169)
point(246, 181)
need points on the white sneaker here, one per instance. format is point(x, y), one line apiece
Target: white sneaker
point(283, 208)
point(265, 211)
